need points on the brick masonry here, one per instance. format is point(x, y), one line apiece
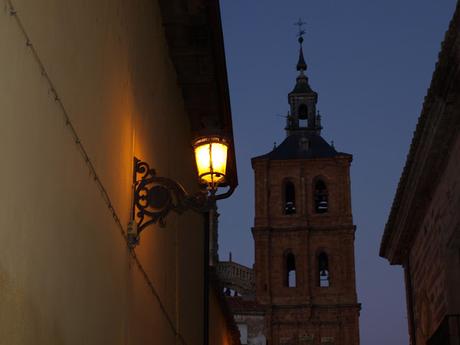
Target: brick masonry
point(307, 313)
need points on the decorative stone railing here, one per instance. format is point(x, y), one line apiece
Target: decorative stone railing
point(236, 277)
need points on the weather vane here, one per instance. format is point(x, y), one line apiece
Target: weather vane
point(300, 24)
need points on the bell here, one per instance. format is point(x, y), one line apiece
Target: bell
point(289, 207)
point(322, 205)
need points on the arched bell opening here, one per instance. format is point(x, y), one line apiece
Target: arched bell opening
point(289, 206)
point(320, 197)
point(290, 279)
point(302, 114)
point(323, 270)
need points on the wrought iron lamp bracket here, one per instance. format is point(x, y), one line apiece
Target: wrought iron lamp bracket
point(155, 197)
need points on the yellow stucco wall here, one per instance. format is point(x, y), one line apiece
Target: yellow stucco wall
point(66, 276)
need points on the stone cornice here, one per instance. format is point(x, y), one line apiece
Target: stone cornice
point(242, 312)
point(345, 158)
point(318, 306)
point(332, 228)
point(437, 128)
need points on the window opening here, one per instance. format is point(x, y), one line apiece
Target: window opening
point(303, 112)
point(289, 198)
point(243, 328)
point(321, 197)
point(323, 269)
point(303, 123)
point(230, 292)
point(290, 271)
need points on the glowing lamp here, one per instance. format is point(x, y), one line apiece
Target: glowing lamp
point(211, 160)
point(155, 196)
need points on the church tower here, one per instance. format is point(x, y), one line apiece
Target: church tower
point(304, 233)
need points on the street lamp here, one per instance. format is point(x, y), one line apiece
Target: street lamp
point(155, 196)
point(211, 160)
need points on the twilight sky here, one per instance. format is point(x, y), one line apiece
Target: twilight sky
point(371, 63)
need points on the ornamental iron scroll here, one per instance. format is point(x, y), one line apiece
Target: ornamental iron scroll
point(155, 197)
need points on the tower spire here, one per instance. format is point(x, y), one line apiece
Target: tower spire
point(302, 99)
point(301, 64)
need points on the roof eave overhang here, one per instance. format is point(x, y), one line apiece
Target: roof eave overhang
point(193, 31)
point(437, 129)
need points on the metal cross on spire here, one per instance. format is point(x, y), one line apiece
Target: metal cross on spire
point(301, 64)
point(300, 24)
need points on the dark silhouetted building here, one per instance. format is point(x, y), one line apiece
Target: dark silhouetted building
point(239, 288)
point(423, 230)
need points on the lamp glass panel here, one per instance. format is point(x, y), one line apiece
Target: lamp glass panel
point(211, 161)
point(219, 158)
point(203, 161)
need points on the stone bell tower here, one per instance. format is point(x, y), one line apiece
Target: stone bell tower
point(304, 233)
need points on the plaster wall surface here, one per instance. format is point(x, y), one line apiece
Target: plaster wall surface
point(100, 70)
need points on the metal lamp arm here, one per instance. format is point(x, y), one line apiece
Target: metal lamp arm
point(155, 196)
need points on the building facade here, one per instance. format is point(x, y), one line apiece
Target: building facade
point(86, 86)
point(423, 230)
point(238, 282)
point(304, 233)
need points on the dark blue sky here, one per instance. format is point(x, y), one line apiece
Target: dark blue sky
point(371, 63)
